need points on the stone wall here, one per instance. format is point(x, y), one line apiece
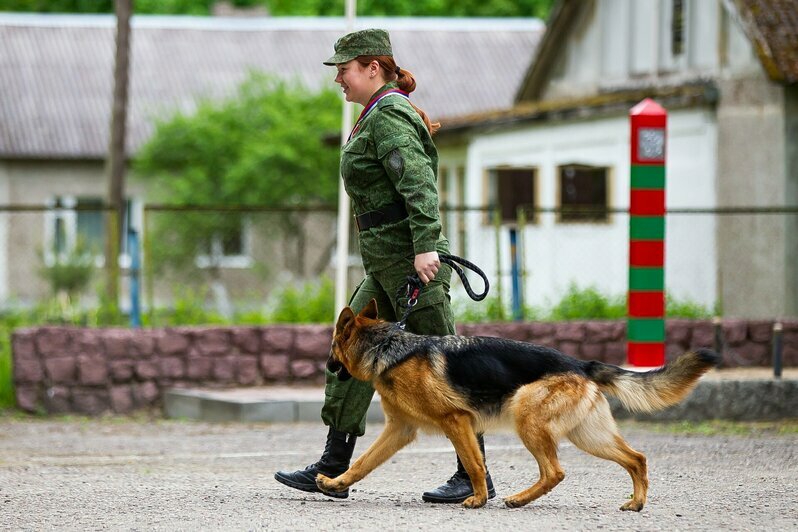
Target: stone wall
point(91, 371)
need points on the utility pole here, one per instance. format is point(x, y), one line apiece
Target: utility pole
point(344, 212)
point(115, 165)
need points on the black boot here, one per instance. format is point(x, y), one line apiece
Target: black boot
point(458, 488)
point(334, 461)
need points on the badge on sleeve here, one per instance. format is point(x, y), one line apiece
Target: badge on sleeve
point(396, 162)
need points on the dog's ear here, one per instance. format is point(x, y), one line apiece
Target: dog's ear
point(370, 310)
point(344, 318)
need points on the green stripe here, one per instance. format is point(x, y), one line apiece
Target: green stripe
point(651, 177)
point(646, 279)
point(646, 329)
point(647, 227)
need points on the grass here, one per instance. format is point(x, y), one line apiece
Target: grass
point(723, 428)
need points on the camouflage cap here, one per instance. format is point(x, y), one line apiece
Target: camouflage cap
point(363, 42)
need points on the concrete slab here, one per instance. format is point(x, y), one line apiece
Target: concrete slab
point(740, 394)
point(272, 404)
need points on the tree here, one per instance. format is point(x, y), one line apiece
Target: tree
point(116, 163)
point(264, 146)
point(312, 8)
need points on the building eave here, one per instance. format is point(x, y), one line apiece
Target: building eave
point(600, 105)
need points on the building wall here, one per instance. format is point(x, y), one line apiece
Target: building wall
point(558, 254)
point(756, 278)
point(617, 43)
point(791, 197)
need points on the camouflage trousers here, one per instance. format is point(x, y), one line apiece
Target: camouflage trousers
point(346, 403)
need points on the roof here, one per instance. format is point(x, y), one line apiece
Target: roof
point(56, 70)
point(772, 28)
point(604, 104)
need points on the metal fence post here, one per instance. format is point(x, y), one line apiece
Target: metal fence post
point(777, 349)
point(497, 224)
point(135, 275)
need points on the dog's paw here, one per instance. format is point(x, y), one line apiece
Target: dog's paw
point(474, 502)
point(632, 506)
point(514, 502)
point(330, 485)
point(325, 483)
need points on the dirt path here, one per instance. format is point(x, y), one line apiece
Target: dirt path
point(142, 475)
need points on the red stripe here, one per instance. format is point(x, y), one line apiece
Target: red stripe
point(646, 304)
point(647, 202)
point(646, 354)
point(371, 103)
point(647, 253)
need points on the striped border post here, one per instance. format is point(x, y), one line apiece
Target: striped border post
point(646, 310)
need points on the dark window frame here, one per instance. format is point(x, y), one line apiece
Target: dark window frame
point(507, 198)
point(596, 211)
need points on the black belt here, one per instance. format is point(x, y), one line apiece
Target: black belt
point(386, 214)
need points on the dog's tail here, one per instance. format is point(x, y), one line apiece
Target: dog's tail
point(657, 389)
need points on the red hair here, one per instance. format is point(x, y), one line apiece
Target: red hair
point(404, 79)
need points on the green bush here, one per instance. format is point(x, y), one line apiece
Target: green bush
point(587, 303)
point(675, 308)
point(70, 273)
point(312, 302)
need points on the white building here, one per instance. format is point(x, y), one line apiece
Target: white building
point(725, 70)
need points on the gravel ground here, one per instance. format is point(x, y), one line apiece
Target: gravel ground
point(167, 475)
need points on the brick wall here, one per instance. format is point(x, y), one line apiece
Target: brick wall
point(90, 371)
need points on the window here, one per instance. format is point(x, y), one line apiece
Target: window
point(677, 27)
point(227, 246)
point(79, 222)
point(511, 188)
point(583, 193)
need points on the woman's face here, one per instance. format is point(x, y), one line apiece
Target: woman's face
point(357, 81)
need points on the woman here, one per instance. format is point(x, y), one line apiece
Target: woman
point(389, 166)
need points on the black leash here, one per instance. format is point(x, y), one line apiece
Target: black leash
point(414, 285)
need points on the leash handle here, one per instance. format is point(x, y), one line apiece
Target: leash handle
point(454, 261)
point(414, 284)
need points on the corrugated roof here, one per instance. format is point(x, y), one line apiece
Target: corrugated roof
point(772, 27)
point(56, 70)
point(604, 104)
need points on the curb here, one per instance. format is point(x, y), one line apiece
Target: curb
point(253, 405)
point(733, 400)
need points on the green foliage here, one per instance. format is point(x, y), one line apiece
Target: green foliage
point(262, 147)
point(71, 272)
point(312, 302)
point(416, 8)
point(576, 304)
point(189, 308)
point(7, 326)
point(587, 303)
point(675, 308)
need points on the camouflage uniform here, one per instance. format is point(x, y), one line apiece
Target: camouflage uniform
point(391, 159)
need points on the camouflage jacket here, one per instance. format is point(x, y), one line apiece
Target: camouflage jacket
point(391, 158)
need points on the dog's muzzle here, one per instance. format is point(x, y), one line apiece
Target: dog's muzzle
point(334, 366)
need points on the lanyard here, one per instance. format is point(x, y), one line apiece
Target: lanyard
point(370, 106)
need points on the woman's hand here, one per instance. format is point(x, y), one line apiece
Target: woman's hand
point(427, 265)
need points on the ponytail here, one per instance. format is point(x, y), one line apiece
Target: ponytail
point(404, 79)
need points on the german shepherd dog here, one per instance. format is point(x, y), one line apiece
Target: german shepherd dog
point(460, 386)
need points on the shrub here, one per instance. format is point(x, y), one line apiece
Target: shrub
point(587, 303)
point(311, 302)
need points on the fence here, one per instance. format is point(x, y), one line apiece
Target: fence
point(739, 262)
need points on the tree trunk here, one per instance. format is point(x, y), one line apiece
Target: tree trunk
point(115, 165)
